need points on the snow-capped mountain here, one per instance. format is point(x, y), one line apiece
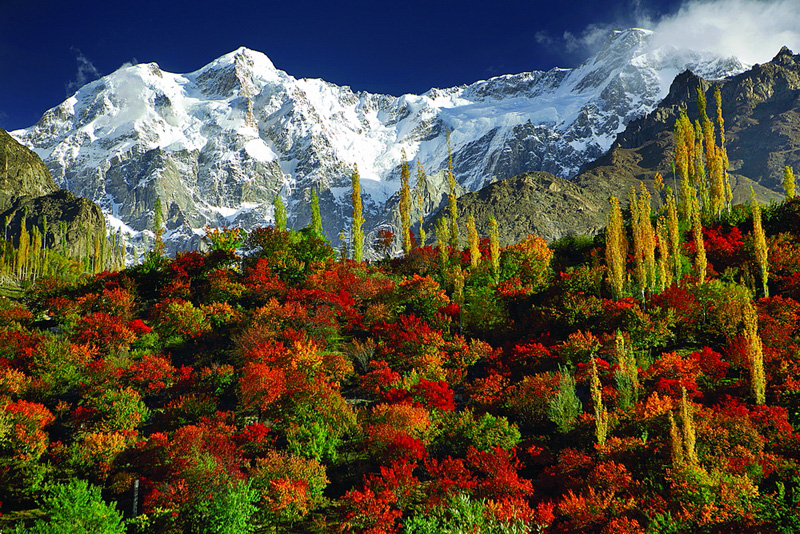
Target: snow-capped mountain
point(218, 144)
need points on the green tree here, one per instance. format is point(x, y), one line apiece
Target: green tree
point(452, 203)
point(76, 507)
point(229, 511)
point(316, 218)
point(422, 181)
point(158, 228)
point(280, 213)
point(760, 242)
point(358, 217)
point(565, 406)
point(788, 182)
point(474, 242)
point(405, 204)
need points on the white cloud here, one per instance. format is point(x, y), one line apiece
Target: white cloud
point(752, 30)
point(87, 72)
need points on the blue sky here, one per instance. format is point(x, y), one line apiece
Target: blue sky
point(49, 48)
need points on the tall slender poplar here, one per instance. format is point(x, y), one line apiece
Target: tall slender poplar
point(422, 182)
point(673, 228)
point(616, 249)
point(474, 242)
point(158, 228)
point(451, 179)
point(788, 182)
point(316, 217)
point(494, 247)
point(755, 354)
point(442, 240)
point(405, 204)
point(358, 217)
point(281, 218)
point(700, 261)
point(760, 242)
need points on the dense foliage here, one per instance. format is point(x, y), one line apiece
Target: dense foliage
point(517, 390)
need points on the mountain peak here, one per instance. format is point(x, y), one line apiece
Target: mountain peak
point(258, 61)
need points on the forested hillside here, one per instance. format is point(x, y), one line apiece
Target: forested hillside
point(589, 385)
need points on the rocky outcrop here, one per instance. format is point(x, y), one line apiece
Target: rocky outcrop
point(76, 227)
point(22, 173)
point(531, 203)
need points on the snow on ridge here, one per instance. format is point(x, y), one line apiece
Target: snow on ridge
point(239, 125)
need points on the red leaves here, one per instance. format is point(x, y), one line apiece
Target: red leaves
point(151, 374)
point(261, 386)
point(498, 473)
point(28, 419)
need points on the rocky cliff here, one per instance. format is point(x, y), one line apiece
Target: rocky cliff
point(75, 227)
point(761, 107)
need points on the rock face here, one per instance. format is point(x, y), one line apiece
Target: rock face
point(530, 203)
point(22, 173)
point(217, 145)
point(762, 123)
point(74, 226)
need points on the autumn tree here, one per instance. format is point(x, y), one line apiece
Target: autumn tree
point(280, 213)
point(422, 181)
point(358, 217)
point(474, 242)
point(760, 242)
point(722, 156)
point(755, 355)
point(673, 229)
point(600, 412)
point(158, 228)
point(405, 204)
point(316, 217)
point(565, 406)
point(442, 239)
point(700, 261)
point(452, 203)
point(788, 182)
point(616, 248)
point(644, 240)
point(494, 247)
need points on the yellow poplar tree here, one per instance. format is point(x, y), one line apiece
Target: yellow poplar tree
point(689, 431)
point(755, 354)
point(788, 182)
point(474, 242)
point(442, 239)
point(760, 242)
point(422, 181)
point(700, 261)
point(405, 204)
point(664, 269)
point(358, 217)
point(673, 228)
point(494, 247)
point(723, 152)
point(616, 248)
point(451, 179)
point(600, 413)
point(648, 236)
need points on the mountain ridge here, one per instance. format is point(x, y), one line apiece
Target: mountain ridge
point(217, 145)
